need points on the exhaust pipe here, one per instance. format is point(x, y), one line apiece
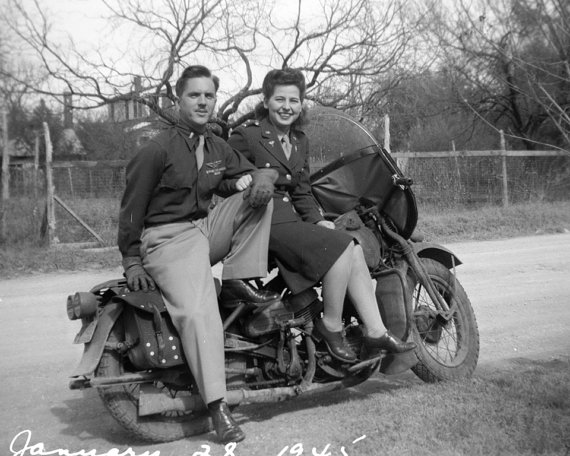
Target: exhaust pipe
point(152, 400)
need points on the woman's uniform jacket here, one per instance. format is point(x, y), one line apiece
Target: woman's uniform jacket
point(258, 141)
point(304, 251)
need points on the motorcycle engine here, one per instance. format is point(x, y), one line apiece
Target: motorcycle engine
point(296, 310)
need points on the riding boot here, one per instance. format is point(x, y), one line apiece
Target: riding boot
point(235, 291)
point(224, 424)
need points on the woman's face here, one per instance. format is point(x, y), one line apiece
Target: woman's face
point(284, 106)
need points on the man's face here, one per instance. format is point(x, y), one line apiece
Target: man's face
point(197, 101)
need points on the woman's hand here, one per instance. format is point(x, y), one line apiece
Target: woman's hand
point(243, 182)
point(326, 224)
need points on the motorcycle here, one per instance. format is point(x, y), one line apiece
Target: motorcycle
point(132, 352)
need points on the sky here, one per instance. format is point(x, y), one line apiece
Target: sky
point(87, 24)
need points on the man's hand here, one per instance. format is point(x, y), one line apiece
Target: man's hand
point(261, 189)
point(243, 182)
point(137, 277)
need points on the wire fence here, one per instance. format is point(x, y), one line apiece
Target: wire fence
point(90, 191)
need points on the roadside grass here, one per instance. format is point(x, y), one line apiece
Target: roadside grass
point(21, 250)
point(494, 222)
point(519, 408)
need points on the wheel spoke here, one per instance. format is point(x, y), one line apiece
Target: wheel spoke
point(447, 347)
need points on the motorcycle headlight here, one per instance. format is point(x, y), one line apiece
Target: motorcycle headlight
point(82, 305)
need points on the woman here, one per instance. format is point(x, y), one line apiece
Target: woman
point(305, 245)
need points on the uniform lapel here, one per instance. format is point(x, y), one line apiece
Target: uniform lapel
point(271, 143)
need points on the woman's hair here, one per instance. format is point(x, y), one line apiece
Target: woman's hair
point(195, 71)
point(287, 76)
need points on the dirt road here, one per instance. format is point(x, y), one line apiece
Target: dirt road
point(519, 288)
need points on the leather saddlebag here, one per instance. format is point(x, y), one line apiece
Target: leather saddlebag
point(149, 331)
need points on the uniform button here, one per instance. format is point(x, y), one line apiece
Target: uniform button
point(288, 176)
point(285, 199)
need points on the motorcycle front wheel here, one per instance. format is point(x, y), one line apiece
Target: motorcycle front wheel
point(447, 350)
point(122, 403)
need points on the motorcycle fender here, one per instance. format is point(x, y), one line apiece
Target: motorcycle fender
point(93, 350)
point(436, 252)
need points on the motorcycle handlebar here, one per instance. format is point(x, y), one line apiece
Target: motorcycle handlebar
point(404, 181)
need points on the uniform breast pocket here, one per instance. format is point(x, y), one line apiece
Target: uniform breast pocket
point(176, 179)
point(266, 161)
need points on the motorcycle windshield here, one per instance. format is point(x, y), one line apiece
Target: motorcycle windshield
point(350, 167)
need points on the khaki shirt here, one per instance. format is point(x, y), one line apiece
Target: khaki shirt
point(163, 184)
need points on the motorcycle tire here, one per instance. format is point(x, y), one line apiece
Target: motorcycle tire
point(446, 350)
point(121, 402)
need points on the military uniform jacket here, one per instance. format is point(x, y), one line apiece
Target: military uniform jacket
point(164, 185)
point(293, 200)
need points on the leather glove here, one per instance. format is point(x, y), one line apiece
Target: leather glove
point(261, 189)
point(137, 277)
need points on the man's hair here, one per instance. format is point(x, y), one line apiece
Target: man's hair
point(195, 71)
point(287, 76)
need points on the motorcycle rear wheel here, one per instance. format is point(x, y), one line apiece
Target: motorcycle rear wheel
point(122, 404)
point(446, 351)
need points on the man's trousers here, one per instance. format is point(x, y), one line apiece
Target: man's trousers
point(179, 256)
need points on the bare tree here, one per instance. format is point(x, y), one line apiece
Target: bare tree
point(509, 61)
point(343, 46)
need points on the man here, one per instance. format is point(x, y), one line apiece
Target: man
point(169, 236)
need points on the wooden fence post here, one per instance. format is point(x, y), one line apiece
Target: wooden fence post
point(50, 206)
point(504, 170)
point(5, 174)
point(5, 158)
point(36, 164)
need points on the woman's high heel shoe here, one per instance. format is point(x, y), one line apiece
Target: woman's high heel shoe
point(388, 343)
point(335, 342)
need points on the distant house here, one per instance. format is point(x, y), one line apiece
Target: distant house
point(136, 117)
point(19, 151)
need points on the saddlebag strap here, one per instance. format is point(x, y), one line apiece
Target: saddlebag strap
point(157, 322)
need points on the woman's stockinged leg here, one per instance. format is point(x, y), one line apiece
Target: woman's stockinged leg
point(349, 276)
point(335, 284)
point(377, 339)
point(362, 295)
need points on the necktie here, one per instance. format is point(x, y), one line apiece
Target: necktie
point(200, 152)
point(286, 146)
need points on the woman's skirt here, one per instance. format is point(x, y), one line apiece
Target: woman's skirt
point(304, 252)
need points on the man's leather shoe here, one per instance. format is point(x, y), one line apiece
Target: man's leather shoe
point(224, 423)
point(335, 342)
point(234, 291)
point(388, 343)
